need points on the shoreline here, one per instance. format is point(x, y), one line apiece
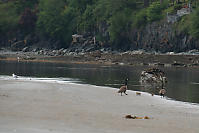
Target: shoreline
point(28, 106)
point(77, 82)
point(125, 58)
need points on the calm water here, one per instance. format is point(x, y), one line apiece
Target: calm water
point(183, 83)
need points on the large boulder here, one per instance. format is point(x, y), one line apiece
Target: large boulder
point(153, 76)
point(26, 49)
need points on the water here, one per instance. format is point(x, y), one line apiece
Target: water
point(183, 83)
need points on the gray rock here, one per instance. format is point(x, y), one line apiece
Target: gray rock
point(26, 49)
point(41, 52)
point(65, 51)
point(152, 76)
point(35, 50)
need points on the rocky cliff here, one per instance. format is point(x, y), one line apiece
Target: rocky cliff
point(163, 37)
point(158, 36)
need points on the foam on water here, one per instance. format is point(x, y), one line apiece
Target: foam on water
point(195, 83)
point(57, 80)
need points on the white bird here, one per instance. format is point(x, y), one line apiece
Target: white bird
point(14, 76)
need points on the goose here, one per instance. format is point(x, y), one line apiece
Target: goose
point(162, 92)
point(123, 88)
point(138, 93)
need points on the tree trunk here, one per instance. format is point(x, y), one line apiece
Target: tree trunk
point(146, 3)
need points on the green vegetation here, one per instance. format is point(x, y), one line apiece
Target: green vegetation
point(21, 5)
point(111, 21)
point(140, 19)
point(52, 18)
point(184, 24)
point(154, 11)
point(8, 17)
point(194, 23)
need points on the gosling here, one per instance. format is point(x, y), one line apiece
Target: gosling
point(162, 92)
point(138, 94)
point(123, 88)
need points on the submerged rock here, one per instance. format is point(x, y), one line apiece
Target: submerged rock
point(153, 75)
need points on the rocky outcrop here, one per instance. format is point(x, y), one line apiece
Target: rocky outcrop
point(163, 38)
point(172, 18)
point(82, 43)
point(153, 76)
point(153, 79)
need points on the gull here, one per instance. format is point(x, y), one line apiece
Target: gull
point(14, 76)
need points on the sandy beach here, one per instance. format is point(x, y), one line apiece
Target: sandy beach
point(28, 106)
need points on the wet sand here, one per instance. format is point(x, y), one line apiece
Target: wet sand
point(50, 107)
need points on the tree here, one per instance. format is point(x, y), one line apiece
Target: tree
point(154, 11)
point(194, 26)
point(81, 5)
point(28, 20)
point(88, 20)
point(146, 3)
point(57, 20)
point(69, 24)
point(177, 1)
point(8, 17)
point(120, 25)
point(21, 5)
point(116, 15)
point(140, 19)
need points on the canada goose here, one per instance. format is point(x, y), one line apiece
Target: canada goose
point(162, 92)
point(123, 88)
point(138, 93)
